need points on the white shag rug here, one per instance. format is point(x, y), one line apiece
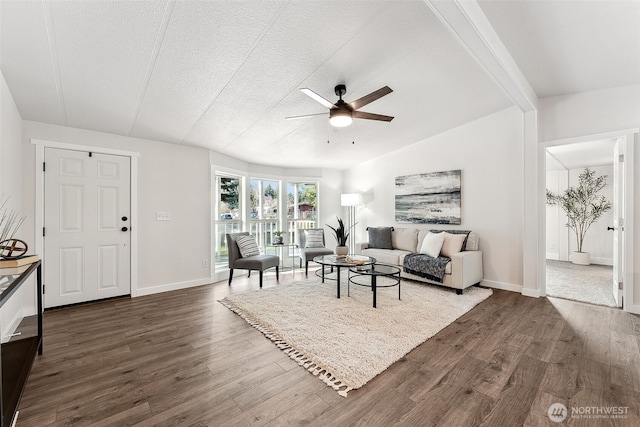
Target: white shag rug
point(346, 342)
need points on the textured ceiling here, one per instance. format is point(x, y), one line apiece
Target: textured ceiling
point(224, 74)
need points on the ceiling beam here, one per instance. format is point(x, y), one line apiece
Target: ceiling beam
point(470, 26)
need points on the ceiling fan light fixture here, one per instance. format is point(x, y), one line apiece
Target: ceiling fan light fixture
point(340, 119)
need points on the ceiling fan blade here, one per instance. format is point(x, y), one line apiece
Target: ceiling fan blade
point(305, 116)
point(371, 116)
point(367, 99)
point(317, 97)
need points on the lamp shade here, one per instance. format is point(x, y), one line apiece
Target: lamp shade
point(351, 199)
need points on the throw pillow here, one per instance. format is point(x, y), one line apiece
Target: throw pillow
point(247, 246)
point(452, 243)
point(380, 237)
point(432, 244)
point(313, 239)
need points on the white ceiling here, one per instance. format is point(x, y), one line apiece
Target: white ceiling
point(224, 74)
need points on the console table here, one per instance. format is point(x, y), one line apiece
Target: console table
point(18, 350)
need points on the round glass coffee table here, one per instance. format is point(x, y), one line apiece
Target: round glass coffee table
point(374, 271)
point(339, 262)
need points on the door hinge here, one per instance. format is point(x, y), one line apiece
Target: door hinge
point(90, 154)
point(44, 167)
point(621, 158)
point(42, 289)
point(43, 232)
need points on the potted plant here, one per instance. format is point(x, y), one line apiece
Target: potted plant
point(342, 235)
point(277, 238)
point(583, 206)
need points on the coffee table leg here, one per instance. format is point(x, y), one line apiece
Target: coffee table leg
point(338, 281)
point(373, 287)
point(322, 273)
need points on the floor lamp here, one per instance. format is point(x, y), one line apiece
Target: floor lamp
point(351, 200)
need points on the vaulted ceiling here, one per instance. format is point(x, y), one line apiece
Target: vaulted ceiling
point(224, 74)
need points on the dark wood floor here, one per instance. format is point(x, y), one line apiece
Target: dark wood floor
point(181, 358)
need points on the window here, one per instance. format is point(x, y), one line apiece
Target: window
point(264, 204)
point(302, 207)
point(227, 215)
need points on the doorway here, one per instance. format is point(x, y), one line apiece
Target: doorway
point(104, 265)
point(87, 223)
point(600, 282)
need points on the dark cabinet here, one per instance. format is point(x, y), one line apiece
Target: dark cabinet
point(18, 349)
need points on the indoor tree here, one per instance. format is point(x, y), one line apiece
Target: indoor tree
point(582, 204)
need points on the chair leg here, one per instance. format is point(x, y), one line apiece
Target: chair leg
point(277, 273)
point(260, 278)
point(249, 273)
point(459, 291)
point(306, 268)
point(230, 275)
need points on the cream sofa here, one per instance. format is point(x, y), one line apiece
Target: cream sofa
point(464, 270)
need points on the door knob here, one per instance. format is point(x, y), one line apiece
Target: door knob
point(124, 229)
point(610, 228)
point(124, 218)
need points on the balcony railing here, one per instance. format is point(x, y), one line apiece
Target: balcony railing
point(261, 229)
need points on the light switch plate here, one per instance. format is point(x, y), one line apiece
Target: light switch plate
point(163, 216)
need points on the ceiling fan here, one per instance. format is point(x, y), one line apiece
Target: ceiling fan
point(342, 114)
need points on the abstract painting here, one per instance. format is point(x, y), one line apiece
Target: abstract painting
point(429, 198)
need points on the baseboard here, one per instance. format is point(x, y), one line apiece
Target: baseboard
point(171, 287)
point(534, 293)
point(601, 261)
point(501, 285)
point(553, 255)
point(634, 309)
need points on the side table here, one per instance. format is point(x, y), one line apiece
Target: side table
point(280, 247)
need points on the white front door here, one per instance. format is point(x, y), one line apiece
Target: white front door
point(87, 253)
point(618, 222)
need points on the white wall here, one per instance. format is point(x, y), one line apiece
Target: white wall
point(171, 178)
point(598, 240)
point(589, 113)
point(489, 152)
point(596, 112)
point(557, 234)
point(23, 302)
point(10, 153)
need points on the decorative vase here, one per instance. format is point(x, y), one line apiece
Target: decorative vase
point(581, 258)
point(277, 240)
point(342, 250)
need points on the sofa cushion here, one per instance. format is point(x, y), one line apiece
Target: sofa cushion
point(452, 244)
point(405, 239)
point(432, 244)
point(386, 256)
point(380, 237)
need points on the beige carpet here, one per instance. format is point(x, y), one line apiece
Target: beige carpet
point(346, 342)
point(585, 283)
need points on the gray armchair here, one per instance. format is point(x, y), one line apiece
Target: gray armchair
point(256, 262)
point(307, 254)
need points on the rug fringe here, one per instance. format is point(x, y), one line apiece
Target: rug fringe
point(323, 374)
